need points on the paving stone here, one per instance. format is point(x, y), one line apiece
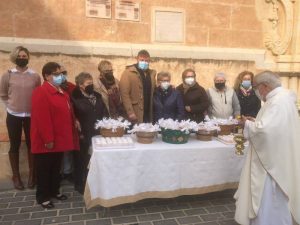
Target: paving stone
point(6, 223)
point(208, 223)
point(9, 211)
point(110, 213)
point(25, 193)
point(99, 222)
point(29, 222)
point(94, 209)
point(74, 223)
point(173, 214)
point(127, 212)
point(12, 199)
point(231, 207)
point(43, 214)
point(4, 205)
point(199, 204)
point(197, 211)
point(21, 204)
point(228, 222)
point(228, 215)
point(211, 217)
point(215, 209)
point(123, 206)
point(86, 216)
point(164, 201)
point(178, 206)
point(189, 220)
point(78, 204)
point(222, 201)
point(165, 222)
point(7, 194)
point(70, 211)
point(145, 223)
point(64, 205)
point(74, 199)
point(34, 209)
point(124, 219)
point(30, 198)
point(156, 209)
point(15, 217)
point(150, 217)
point(57, 219)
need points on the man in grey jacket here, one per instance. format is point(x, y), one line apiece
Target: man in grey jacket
point(224, 102)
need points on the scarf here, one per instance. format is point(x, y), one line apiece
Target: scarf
point(245, 92)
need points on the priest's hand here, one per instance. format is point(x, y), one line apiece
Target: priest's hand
point(132, 117)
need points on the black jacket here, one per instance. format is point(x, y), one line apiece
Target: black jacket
point(197, 99)
point(250, 105)
point(87, 113)
point(167, 104)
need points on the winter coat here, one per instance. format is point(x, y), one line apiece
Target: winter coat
point(131, 89)
point(52, 120)
point(171, 107)
point(197, 99)
point(88, 114)
point(250, 105)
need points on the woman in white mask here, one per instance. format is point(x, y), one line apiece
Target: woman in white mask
point(194, 96)
point(249, 102)
point(167, 101)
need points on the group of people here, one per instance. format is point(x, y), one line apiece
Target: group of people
point(58, 117)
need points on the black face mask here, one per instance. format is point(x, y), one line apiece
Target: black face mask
point(109, 76)
point(89, 89)
point(21, 62)
point(220, 86)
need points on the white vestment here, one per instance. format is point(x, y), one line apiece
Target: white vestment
point(274, 150)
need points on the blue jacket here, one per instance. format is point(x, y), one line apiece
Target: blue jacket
point(168, 104)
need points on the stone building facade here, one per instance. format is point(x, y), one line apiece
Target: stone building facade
point(216, 35)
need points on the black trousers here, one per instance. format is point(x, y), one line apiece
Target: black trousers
point(81, 162)
point(14, 127)
point(48, 175)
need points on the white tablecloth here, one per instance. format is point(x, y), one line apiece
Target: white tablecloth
point(118, 176)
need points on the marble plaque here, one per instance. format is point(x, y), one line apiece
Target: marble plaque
point(127, 10)
point(169, 26)
point(98, 8)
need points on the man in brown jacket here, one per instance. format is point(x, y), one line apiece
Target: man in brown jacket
point(137, 86)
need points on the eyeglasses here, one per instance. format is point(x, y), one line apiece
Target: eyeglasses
point(57, 74)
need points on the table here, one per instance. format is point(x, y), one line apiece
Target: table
point(160, 170)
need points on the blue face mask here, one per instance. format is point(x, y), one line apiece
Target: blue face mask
point(246, 83)
point(58, 80)
point(64, 78)
point(143, 65)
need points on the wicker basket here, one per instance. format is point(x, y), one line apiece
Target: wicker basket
point(226, 129)
point(174, 136)
point(145, 137)
point(205, 135)
point(119, 132)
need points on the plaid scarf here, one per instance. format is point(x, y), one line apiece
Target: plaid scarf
point(246, 92)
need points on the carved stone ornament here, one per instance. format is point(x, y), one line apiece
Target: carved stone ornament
point(276, 39)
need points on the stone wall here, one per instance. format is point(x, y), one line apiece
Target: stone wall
point(212, 23)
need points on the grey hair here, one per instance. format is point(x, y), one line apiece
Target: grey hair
point(82, 77)
point(163, 74)
point(268, 78)
point(220, 74)
point(14, 53)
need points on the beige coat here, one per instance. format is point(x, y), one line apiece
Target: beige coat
point(131, 89)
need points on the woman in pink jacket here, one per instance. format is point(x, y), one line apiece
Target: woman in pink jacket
point(52, 133)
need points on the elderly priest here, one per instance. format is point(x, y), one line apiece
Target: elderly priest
point(269, 188)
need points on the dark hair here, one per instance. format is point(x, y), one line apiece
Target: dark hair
point(144, 53)
point(82, 77)
point(184, 73)
point(240, 77)
point(49, 68)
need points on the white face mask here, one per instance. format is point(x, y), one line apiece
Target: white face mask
point(258, 94)
point(189, 80)
point(165, 85)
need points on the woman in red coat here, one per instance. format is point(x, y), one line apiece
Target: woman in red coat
point(52, 133)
